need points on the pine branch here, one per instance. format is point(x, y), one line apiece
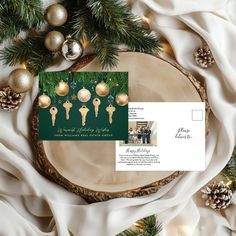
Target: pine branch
point(31, 51)
point(110, 13)
point(17, 16)
point(147, 227)
point(106, 51)
point(108, 24)
point(126, 28)
point(230, 170)
point(117, 81)
point(10, 28)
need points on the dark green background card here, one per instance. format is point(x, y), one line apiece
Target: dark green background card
point(96, 128)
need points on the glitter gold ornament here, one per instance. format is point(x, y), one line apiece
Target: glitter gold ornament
point(62, 89)
point(122, 99)
point(44, 101)
point(71, 49)
point(84, 95)
point(20, 80)
point(102, 89)
point(54, 40)
point(56, 15)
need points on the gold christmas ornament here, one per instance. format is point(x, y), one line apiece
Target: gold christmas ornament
point(102, 89)
point(71, 49)
point(44, 101)
point(62, 89)
point(122, 99)
point(20, 80)
point(145, 23)
point(56, 15)
point(54, 40)
point(84, 95)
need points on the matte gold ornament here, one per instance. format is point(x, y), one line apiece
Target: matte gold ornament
point(54, 40)
point(122, 99)
point(44, 101)
point(102, 89)
point(20, 80)
point(62, 89)
point(71, 49)
point(84, 95)
point(56, 15)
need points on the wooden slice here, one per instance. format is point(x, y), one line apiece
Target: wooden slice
point(87, 168)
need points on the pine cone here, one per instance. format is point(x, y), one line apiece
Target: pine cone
point(203, 57)
point(218, 195)
point(9, 100)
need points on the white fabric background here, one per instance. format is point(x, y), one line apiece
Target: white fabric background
point(30, 205)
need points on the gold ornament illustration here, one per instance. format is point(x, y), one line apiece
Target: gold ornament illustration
point(83, 111)
point(122, 99)
point(53, 111)
point(62, 89)
point(110, 109)
point(67, 105)
point(102, 89)
point(96, 103)
point(84, 95)
point(44, 101)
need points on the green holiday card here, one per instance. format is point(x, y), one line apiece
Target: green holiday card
point(83, 106)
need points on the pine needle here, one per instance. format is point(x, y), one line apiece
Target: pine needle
point(150, 227)
point(230, 171)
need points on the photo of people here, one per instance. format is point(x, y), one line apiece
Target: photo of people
point(141, 133)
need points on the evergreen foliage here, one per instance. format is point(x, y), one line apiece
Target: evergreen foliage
point(145, 227)
point(230, 171)
point(117, 81)
point(107, 24)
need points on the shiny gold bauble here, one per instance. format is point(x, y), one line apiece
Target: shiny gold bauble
point(54, 40)
point(102, 89)
point(20, 80)
point(56, 15)
point(122, 99)
point(62, 89)
point(44, 101)
point(84, 95)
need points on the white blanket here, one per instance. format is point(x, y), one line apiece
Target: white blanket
point(30, 205)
